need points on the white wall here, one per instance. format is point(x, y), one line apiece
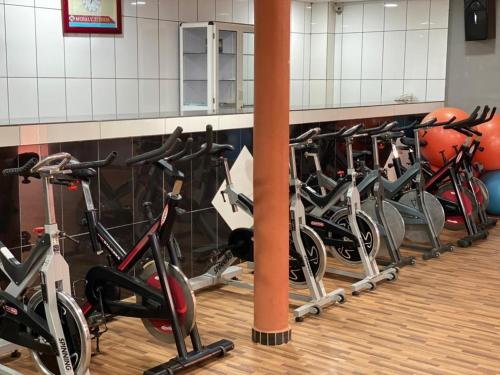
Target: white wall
point(371, 53)
point(46, 77)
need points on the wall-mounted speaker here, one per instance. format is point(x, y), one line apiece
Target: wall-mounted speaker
point(476, 19)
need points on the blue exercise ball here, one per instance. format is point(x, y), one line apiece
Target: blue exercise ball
point(492, 182)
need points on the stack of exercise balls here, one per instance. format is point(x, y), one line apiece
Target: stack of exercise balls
point(441, 145)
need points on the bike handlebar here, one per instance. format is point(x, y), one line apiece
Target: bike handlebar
point(147, 156)
point(407, 127)
point(338, 133)
point(382, 128)
point(352, 131)
point(93, 164)
point(24, 171)
point(204, 149)
point(188, 147)
point(305, 136)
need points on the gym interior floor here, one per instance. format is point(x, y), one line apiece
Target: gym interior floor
point(440, 317)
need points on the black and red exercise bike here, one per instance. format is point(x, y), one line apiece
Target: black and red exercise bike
point(462, 196)
point(164, 300)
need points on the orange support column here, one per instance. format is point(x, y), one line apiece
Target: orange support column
point(271, 191)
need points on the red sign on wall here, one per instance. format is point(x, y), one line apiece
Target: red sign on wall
point(92, 16)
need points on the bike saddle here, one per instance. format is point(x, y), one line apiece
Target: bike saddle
point(219, 149)
point(410, 142)
point(17, 271)
point(318, 199)
point(361, 153)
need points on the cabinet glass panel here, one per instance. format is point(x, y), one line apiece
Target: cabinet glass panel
point(195, 59)
point(227, 69)
point(248, 64)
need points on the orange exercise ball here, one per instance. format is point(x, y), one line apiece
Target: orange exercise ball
point(441, 139)
point(490, 141)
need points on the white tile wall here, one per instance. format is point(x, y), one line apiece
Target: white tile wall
point(394, 47)
point(169, 10)
point(352, 18)
point(168, 102)
point(127, 98)
point(391, 89)
point(319, 20)
point(52, 99)
point(395, 15)
point(373, 47)
point(297, 56)
point(188, 11)
point(240, 11)
point(440, 10)
point(435, 90)
point(297, 17)
point(169, 46)
point(136, 74)
point(103, 99)
point(317, 93)
point(417, 88)
point(23, 100)
point(351, 55)
point(149, 98)
point(394, 58)
point(79, 99)
point(77, 56)
point(102, 56)
point(438, 43)
point(126, 50)
point(224, 10)
point(4, 101)
point(206, 10)
point(418, 14)
point(3, 54)
point(21, 41)
point(50, 43)
point(318, 56)
point(371, 91)
point(373, 16)
point(147, 35)
point(417, 42)
point(350, 92)
point(147, 9)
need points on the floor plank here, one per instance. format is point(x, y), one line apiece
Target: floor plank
point(441, 317)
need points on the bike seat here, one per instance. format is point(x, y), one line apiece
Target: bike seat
point(219, 149)
point(410, 142)
point(318, 199)
point(17, 271)
point(362, 153)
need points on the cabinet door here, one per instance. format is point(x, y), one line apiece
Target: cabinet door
point(196, 67)
point(227, 69)
point(248, 64)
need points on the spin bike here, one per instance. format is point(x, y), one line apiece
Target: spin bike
point(353, 218)
point(164, 299)
point(422, 212)
point(306, 263)
point(389, 221)
point(51, 325)
point(456, 188)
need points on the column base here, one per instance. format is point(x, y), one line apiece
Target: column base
point(271, 338)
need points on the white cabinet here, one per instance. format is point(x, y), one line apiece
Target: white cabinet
point(216, 66)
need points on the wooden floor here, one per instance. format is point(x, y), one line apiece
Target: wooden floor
point(441, 317)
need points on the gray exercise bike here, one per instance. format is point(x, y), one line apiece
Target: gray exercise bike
point(51, 325)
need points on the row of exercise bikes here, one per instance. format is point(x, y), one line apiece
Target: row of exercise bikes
point(361, 218)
